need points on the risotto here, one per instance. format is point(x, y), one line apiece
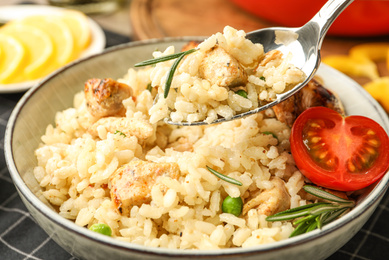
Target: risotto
point(149, 182)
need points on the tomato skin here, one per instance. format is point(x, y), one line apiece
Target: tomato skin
point(342, 141)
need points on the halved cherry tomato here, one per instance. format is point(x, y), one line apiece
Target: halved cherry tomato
point(340, 153)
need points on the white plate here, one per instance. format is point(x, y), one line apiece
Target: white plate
point(12, 12)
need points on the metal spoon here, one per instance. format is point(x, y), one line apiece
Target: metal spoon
point(303, 42)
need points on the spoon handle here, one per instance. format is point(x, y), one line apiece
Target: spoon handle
point(327, 15)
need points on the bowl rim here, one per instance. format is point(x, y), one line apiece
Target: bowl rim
point(375, 195)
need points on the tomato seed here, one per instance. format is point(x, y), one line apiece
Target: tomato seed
point(364, 158)
point(315, 125)
point(373, 142)
point(323, 155)
point(331, 163)
point(311, 133)
point(370, 150)
point(315, 139)
point(350, 166)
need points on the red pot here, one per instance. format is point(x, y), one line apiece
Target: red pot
point(360, 18)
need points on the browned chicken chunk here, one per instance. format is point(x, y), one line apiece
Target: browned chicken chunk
point(137, 127)
point(131, 184)
point(269, 202)
point(312, 95)
point(104, 97)
point(220, 68)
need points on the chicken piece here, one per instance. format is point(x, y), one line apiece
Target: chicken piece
point(220, 68)
point(269, 202)
point(104, 97)
point(131, 184)
point(137, 127)
point(312, 95)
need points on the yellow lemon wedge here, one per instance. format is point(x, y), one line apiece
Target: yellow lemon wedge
point(348, 65)
point(12, 55)
point(34, 46)
point(369, 52)
point(79, 26)
point(38, 45)
point(379, 89)
point(60, 35)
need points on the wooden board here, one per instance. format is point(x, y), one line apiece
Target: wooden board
point(165, 18)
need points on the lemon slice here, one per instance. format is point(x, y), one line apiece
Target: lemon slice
point(78, 24)
point(60, 35)
point(38, 45)
point(11, 59)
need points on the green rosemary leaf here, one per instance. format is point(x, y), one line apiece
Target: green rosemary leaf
point(171, 74)
point(224, 177)
point(300, 229)
point(324, 195)
point(164, 58)
point(334, 215)
point(295, 212)
point(312, 225)
point(321, 210)
point(287, 216)
point(320, 219)
point(304, 220)
point(307, 206)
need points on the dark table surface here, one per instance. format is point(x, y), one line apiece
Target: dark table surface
point(22, 238)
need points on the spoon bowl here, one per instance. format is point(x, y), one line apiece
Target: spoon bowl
point(303, 43)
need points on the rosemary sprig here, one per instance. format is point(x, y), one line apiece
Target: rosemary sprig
point(315, 215)
point(171, 74)
point(178, 56)
point(224, 177)
point(164, 58)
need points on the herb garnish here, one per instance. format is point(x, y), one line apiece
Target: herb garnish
point(270, 133)
point(149, 87)
point(179, 56)
point(242, 93)
point(224, 177)
point(315, 215)
point(120, 133)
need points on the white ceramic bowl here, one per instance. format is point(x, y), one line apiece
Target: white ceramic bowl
point(37, 109)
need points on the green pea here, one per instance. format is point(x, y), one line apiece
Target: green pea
point(102, 229)
point(242, 93)
point(232, 205)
